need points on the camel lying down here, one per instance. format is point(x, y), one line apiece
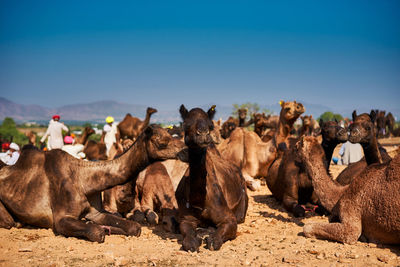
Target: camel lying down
point(54, 190)
point(370, 205)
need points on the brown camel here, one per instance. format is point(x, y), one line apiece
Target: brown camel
point(370, 205)
point(88, 131)
point(213, 190)
point(362, 131)
point(306, 128)
point(228, 126)
point(95, 150)
point(31, 141)
point(390, 122)
point(131, 127)
point(246, 149)
point(293, 185)
point(265, 126)
point(54, 190)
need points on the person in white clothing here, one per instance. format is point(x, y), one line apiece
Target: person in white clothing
point(54, 132)
point(75, 150)
point(110, 135)
point(11, 156)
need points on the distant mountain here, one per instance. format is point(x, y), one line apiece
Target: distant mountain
point(98, 111)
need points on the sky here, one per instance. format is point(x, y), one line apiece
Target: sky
point(342, 54)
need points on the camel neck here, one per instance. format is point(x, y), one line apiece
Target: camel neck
point(328, 191)
point(198, 174)
point(371, 152)
point(284, 128)
point(241, 122)
point(328, 147)
point(106, 174)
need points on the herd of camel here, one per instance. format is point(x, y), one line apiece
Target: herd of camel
point(197, 175)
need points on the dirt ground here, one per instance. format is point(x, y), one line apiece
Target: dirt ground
point(269, 237)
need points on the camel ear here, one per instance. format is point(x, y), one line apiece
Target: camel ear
point(336, 120)
point(219, 122)
point(321, 122)
point(372, 115)
point(281, 103)
point(310, 117)
point(211, 112)
point(354, 115)
point(183, 112)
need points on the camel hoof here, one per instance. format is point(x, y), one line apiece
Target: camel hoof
point(96, 234)
point(299, 211)
point(254, 185)
point(134, 229)
point(213, 243)
point(138, 216)
point(307, 230)
point(321, 211)
point(191, 244)
point(152, 217)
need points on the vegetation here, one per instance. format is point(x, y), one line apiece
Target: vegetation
point(251, 109)
point(330, 116)
point(9, 132)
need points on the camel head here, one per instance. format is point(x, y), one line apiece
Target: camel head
point(331, 131)
point(381, 123)
point(306, 120)
point(242, 113)
point(161, 145)
point(291, 111)
point(308, 148)
point(88, 130)
point(197, 125)
point(362, 130)
point(228, 127)
point(151, 110)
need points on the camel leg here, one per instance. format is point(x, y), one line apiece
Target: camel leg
point(169, 211)
point(117, 224)
point(346, 232)
point(291, 200)
point(6, 220)
point(69, 226)
point(147, 205)
point(136, 213)
point(188, 227)
point(251, 183)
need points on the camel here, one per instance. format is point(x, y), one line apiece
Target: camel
point(380, 124)
point(246, 149)
point(54, 190)
point(31, 141)
point(363, 131)
point(306, 127)
point(88, 131)
point(390, 122)
point(228, 126)
point(293, 186)
point(95, 150)
point(131, 127)
point(213, 191)
point(265, 126)
point(370, 205)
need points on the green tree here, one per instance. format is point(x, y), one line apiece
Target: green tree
point(251, 109)
point(330, 116)
point(9, 131)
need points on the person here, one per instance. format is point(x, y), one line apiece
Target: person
point(349, 153)
point(110, 134)
point(75, 150)
point(12, 155)
point(54, 132)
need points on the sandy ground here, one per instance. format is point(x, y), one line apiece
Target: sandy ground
point(269, 236)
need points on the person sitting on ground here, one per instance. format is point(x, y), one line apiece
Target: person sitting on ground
point(54, 132)
point(75, 150)
point(11, 156)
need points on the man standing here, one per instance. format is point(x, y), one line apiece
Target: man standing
point(54, 132)
point(110, 134)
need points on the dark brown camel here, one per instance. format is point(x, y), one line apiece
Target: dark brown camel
point(213, 189)
point(228, 126)
point(390, 122)
point(95, 150)
point(370, 205)
point(54, 190)
point(362, 131)
point(131, 127)
point(293, 186)
point(380, 124)
point(265, 126)
point(88, 131)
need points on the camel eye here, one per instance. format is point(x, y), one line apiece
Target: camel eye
point(368, 128)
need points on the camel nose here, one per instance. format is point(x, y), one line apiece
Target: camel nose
point(202, 129)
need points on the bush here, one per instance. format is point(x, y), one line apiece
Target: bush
point(9, 132)
point(330, 116)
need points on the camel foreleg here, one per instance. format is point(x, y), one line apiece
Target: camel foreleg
point(69, 226)
point(347, 232)
point(117, 224)
point(6, 220)
point(188, 227)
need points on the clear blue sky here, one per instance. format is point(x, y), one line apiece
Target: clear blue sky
point(343, 54)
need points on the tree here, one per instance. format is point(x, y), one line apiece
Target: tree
point(251, 109)
point(330, 116)
point(9, 132)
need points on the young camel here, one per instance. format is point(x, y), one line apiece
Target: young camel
point(370, 205)
point(213, 190)
point(54, 190)
point(363, 131)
